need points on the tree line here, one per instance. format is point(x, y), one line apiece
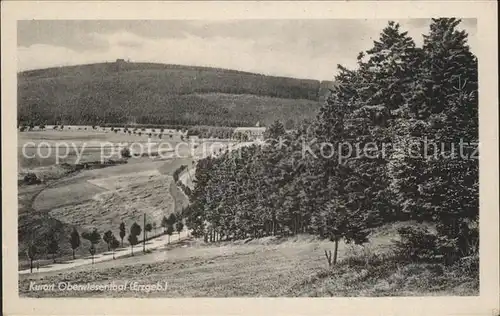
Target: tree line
point(219, 132)
point(172, 223)
point(160, 131)
point(398, 97)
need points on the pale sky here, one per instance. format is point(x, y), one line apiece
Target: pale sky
point(294, 48)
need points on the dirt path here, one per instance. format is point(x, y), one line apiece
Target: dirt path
point(151, 244)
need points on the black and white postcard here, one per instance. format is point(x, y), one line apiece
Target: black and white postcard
point(192, 153)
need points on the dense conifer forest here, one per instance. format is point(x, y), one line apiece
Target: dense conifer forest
point(399, 100)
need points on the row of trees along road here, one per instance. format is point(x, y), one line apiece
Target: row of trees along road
point(174, 223)
point(398, 95)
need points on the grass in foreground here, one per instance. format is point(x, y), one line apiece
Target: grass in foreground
point(267, 268)
point(387, 275)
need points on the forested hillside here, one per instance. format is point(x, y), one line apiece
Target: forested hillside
point(399, 97)
point(145, 93)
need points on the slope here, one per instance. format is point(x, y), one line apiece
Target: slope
point(148, 93)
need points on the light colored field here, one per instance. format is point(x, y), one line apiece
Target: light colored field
point(39, 148)
point(85, 185)
point(135, 195)
point(71, 194)
point(53, 136)
point(90, 138)
point(120, 182)
point(132, 166)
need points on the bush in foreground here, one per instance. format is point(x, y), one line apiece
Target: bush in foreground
point(388, 275)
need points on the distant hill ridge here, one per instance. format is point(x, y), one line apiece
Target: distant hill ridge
point(152, 93)
point(127, 66)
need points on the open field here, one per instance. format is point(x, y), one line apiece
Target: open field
point(91, 138)
point(270, 266)
point(58, 196)
point(138, 195)
point(265, 267)
point(39, 148)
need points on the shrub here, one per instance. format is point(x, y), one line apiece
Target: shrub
point(417, 244)
point(31, 178)
point(125, 153)
point(457, 239)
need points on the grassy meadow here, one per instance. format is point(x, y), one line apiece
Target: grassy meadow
point(267, 267)
point(38, 148)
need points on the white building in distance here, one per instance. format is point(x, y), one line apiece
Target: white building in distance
point(253, 133)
